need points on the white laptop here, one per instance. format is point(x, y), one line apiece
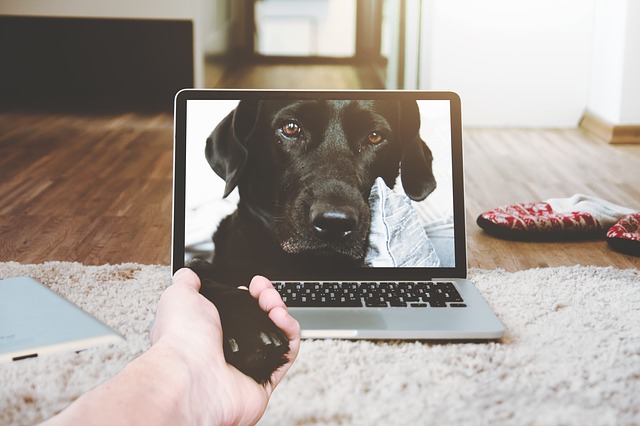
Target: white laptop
point(333, 199)
point(35, 321)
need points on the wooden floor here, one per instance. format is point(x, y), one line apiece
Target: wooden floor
point(316, 76)
point(505, 166)
point(96, 188)
point(89, 188)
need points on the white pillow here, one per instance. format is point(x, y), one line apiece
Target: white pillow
point(397, 237)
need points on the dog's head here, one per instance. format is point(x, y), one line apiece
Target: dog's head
point(306, 168)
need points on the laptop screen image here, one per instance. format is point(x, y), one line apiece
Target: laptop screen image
point(369, 182)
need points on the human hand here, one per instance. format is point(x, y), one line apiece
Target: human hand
point(187, 331)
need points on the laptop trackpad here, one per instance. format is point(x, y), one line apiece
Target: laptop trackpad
point(338, 319)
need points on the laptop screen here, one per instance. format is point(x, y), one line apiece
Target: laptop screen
point(320, 185)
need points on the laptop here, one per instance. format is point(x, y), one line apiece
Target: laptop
point(408, 280)
point(35, 321)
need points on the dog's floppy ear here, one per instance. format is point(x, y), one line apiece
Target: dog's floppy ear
point(416, 158)
point(226, 148)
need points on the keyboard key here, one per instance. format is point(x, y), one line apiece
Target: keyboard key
point(397, 302)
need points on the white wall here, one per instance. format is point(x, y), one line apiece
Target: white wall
point(608, 53)
point(216, 18)
point(514, 63)
point(630, 110)
point(615, 82)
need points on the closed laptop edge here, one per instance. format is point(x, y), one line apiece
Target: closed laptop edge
point(36, 321)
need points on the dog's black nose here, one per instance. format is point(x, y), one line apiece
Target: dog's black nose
point(332, 223)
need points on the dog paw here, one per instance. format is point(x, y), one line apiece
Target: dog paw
point(252, 343)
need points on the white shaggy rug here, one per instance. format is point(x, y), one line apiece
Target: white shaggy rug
point(571, 355)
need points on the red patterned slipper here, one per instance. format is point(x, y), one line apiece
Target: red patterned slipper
point(624, 236)
point(557, 219)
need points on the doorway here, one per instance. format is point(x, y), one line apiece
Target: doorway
point(305, 28)
point(283, 43)
point(344, 31)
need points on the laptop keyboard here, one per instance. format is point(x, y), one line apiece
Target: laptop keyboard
point(420, 294)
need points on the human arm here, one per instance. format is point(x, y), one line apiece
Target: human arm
point(184, 378)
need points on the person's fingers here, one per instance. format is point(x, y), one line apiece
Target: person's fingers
point(188, 278)
point(268, 297)
point(270, 301)
point(291, 328)
point(285, 322)
point(258, 285)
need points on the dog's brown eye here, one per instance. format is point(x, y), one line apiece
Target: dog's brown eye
point(375, 138)
point(291, 129)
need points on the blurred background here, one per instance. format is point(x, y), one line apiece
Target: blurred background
point(550, 102)
point(525, 63)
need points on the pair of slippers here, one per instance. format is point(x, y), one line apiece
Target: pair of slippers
point(579, 217)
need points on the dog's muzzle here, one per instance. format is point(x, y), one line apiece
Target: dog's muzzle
point(328, 218)
point(332, 223)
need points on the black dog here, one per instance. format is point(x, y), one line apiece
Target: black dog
point(304, 171)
